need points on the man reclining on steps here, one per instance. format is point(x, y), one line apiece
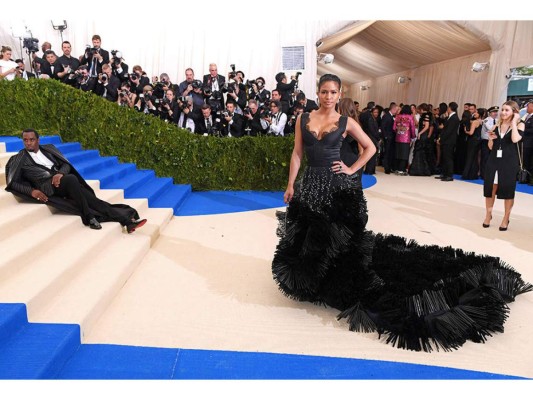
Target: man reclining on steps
point(43, 174)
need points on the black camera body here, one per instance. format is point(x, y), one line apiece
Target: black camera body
point(196, 84)
point(232, 74)
point(298, 74)
point(103, 78)
point(114, 52)
point(123, 93)
point(247, 111)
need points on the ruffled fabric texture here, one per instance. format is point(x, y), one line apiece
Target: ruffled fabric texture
point(415, 297)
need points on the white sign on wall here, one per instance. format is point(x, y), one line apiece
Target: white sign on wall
point(293, 58)
point(530, 85)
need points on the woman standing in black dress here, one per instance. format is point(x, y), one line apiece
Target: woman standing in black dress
point(503, 163)
point(473, 144)
point(420, 165)
point(416, 297)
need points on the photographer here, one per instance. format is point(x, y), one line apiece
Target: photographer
point(107, 85)
point(119, 67)
point(168, 107)
point(276, 120)
point(284, 104)
point(236, 95)
point(187, 113)
point(213, 83)
point(22, 70)
point(185, 87)
point(95, 57)
point(146, 101)
point(84, 81)
point(207, 124)
point(232, 123)
point(297, 110)
point(162, 84)
point(125, 97)
point(258, 91)
point(252, 117)
point(285, 89)
point(308, 105)
point(137, 80)
point(70, 64)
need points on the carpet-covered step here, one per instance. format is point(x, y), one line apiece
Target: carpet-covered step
point(14, 143)
point(42, 277)
point(132, 181)
point(92, 289)
point(68, 147)
point(15, 216)
point(152, 189)
point(19, 249)
point(110, 174)
point(91, 169)
point(38, 351)
point(13, 317)
point(174, 197)
point(80, 156)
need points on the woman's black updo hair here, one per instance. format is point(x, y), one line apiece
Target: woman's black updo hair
point(329, 78)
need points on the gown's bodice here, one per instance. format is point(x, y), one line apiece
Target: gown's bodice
point(322, 152)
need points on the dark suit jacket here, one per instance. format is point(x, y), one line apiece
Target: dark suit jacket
point(387, 123)
point(448, 135)
point(310, 105)
point(201, 128)
point(221, 81)
point(236, 128)
point(47, 69)
point(88, 58)
point(110, 91)
point(285, 90)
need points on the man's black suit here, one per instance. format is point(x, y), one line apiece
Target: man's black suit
point(208, 82)
point(88, 59)
point(254, 125)
point(448, 139)
point(389, 136)
point(47, 69)
point(285, 90)
point(200, 125)
point(109, 91)
point(73, 195)
point(310, 105)
point(236, 128)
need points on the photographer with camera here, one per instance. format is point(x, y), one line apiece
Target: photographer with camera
point(31, 46)
point(275, 120)
point(107, 84)
point(118, 66)
point(258, 91)
point(207, 124)
point(95, 56)
point(187, 113)
point(284, 104)
point(146, 101)
point(125, 96)
point(185, 87)
point(252, 117)
point(232, 123)
point(70, 64)
point(138, 80)
point(168, 107)
point(285, 89)
point(297, 110)
point(308, 105)
point(212, 83)
point(235, 94)
point(84, 81)
point(53, 68)
point(161, 85)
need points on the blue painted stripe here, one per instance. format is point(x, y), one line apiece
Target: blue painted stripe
point(520, 187)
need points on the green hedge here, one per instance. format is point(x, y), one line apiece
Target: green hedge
point(207, 163)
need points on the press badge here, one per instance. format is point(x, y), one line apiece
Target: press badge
point(499, 153)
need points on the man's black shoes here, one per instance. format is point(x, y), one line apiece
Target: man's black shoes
point(447, 179)
point(94, 224)
point(135, 225)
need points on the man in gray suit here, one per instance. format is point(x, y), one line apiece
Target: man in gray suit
point(43, 174)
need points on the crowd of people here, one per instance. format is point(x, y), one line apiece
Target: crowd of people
point(215, 105)
point(423, 140)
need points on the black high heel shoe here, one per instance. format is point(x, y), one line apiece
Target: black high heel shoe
point(487, 225)
point(502, 228)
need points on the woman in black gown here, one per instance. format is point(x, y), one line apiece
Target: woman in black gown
point(417, 297)
point(473, 145)
point(420, 164)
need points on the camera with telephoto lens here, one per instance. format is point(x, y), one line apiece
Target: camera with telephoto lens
point(264, 111)
point(232, 74)
point(103, 77)
point(196, 84)
point(247, 111)
point(228, 88)
point(298, 75)
point(165, 100)
point(31, 44)
point(123, 93)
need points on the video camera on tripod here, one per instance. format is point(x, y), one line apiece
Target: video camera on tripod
point(30, 44)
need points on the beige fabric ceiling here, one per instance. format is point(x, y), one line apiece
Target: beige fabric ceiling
point(379, 48)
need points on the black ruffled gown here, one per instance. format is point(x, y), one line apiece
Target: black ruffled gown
point(417, 297)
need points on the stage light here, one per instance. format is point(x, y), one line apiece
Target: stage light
point(325, 58)
point(364, 87)
point(479, 66)
point(403, 79)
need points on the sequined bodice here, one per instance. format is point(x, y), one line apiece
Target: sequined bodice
point(322, 150)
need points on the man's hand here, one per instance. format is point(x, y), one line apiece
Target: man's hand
point(38, 195)
point(56, 179)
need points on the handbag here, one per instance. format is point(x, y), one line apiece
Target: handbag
point(523, 174)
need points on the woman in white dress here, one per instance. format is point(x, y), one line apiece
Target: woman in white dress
point(8, 67)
